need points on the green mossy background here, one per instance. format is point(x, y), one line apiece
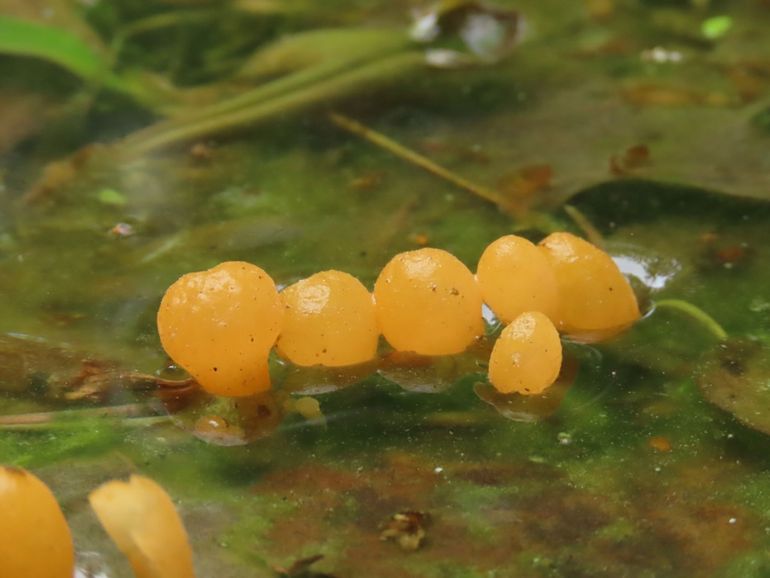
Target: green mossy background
point(579, 492)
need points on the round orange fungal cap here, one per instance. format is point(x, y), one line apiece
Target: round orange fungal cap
point(329, 319)
point(220, 325)
point(595, 299)
point(514, 277)
point(428, 303)
point(526, 358)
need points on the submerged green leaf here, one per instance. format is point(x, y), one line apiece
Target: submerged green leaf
point(736, 378)
point(109, 196)
point(716, 27)
point(58, 46)
point(341, 47)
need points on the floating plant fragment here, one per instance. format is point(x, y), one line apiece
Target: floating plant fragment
point(141, 519)
point(407, 529)
point(736, 378)
point(716, 27)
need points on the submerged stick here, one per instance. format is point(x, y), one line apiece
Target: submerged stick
point(585, 225)
point(416, 159)
point(48, 418)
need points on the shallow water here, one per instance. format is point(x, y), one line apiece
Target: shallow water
point(625, 468)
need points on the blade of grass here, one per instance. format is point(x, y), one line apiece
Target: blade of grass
point(249, 98)
point(336, 51)
point(47, 419)
point(23, 38)
point(326, 90)
point(695, 313)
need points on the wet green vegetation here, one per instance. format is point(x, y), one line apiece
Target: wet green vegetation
point(642, 123)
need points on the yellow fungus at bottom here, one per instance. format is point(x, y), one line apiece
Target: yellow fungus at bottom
point(35, 541)
point(141, 519)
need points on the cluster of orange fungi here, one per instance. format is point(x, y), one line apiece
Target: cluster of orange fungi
point(221, 324)
point(139, 516)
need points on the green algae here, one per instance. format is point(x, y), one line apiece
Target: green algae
point(586, 490)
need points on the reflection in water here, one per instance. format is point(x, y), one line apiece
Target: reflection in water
point(530, 408)
point(319, 380)
point(232, 421)
point(653, 272)
point(239, 421)
point(434, 374)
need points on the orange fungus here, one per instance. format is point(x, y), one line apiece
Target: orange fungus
point(329, 319)
point(428, 303)
point(514, 277)
point(34, 537)
point(526, 358)
point(595, 300)
point(141, 519)
point(220, 325)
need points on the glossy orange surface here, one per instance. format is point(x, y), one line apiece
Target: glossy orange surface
point(220, 325)
point(428, 302)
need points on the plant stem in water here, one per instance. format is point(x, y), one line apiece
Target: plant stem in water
point(266, 106)
point(584, 223)
point(696, 313)
point(51, 418)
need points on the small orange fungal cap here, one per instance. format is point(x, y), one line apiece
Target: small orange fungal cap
point(220, 325)
point(141, 519)
point(526, 358)
point(428, 303)
point(329, 319)
point(35, 540)
point(595, 299)
point(514, 277)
